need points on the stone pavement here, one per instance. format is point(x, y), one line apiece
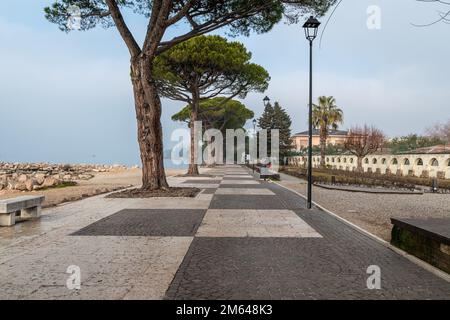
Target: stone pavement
point(241, 238)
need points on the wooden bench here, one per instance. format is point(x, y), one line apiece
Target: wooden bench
point(20, 208)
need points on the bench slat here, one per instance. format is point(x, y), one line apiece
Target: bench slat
point(20, 203)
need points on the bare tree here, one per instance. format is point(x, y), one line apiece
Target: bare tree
point(444, 15)
point(362, 141)
point(440, 131)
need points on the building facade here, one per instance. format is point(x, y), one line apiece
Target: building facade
point(419, 165)
point(335, 137)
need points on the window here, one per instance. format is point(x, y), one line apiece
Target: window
point(366, 161)
point(394, 161)
point(448, 163)
point(419, 162)
point(434, 162)
point(383, 161)
point(374, 161)
point(345, 160)
point(406, 162)
point(351, 160)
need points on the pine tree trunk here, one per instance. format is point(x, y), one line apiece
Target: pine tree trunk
point(323, 145)
point(150, 136)
point(193, 167)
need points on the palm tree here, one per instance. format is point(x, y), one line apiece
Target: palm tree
point(326, 116)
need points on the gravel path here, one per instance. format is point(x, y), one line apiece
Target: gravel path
point(372, 212)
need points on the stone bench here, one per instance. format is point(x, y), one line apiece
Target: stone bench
point(266, 173)
point(20, 208)
point(427, 239)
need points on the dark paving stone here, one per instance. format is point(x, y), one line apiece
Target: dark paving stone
point(307, 268)
point(332, 267)
point(192, 181)
point(263, 202)
point(155, 222)
point(209, 191)
point(246, 186)
point(290, 200)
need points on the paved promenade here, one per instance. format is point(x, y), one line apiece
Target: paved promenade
point(241, 238)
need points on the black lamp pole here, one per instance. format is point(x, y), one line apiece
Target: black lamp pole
point(256, 138)
point(310, 28)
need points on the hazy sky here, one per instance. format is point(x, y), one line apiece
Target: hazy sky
point(68, 97)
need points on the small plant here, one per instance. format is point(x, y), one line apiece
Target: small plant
point(368, 179)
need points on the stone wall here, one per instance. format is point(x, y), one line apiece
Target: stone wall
point(36, 176)
point(419, 165)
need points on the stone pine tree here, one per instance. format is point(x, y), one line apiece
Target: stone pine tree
point(203, 68)
point(218, 113)
point(275, 117)
point(197, 17)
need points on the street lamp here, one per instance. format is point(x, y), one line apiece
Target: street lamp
point(311, 27)
point(266, 101)
point(256, 142)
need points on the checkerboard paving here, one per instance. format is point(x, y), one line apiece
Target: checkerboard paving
point(240, 238)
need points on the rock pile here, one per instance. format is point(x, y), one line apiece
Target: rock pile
point(36, 176)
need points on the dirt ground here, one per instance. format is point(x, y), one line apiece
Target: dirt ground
point(101, 183)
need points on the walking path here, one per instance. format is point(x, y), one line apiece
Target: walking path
point(241, 238)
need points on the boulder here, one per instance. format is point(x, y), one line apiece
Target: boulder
point(29, 184)
point(22, 178)
point(50, 182)
point(40, 178)
point(20, 186)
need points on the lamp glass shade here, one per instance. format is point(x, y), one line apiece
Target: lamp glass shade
point(311, 27)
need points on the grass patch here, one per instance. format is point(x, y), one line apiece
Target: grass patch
point(63, 185)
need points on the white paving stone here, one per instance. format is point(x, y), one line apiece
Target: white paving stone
point(239, 182)
point(239, 176)
point(254, 223)
point(111, 268)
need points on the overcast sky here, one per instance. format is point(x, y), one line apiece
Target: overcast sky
point(68, 97)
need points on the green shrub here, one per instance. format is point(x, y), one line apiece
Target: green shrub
point(367, 178)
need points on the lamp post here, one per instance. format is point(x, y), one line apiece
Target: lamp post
point(256, 138)
point(266, 101)
point(311, 27)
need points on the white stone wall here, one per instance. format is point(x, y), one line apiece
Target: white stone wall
point(405, 164)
